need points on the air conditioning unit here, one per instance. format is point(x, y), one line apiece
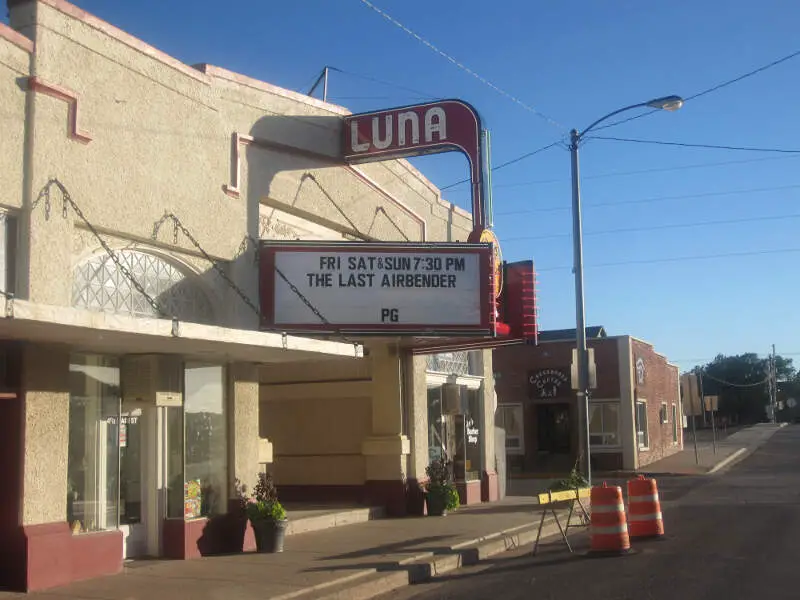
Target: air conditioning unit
point(152, 379)
point(451, 399)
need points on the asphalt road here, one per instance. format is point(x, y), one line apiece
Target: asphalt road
point(729, 536)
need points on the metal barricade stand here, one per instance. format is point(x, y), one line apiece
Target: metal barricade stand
point(552, 502)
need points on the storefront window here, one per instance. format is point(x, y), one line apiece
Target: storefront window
point(94, 440)
point(604, 423)
point(206, 464)
point(509, 417)
point(175, 480)
point(473, 436)
point(436, 444)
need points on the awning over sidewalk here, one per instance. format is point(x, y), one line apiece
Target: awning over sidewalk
point(121, 334)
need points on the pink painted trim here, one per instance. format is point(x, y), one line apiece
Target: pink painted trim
point(398, 203)
point(89, 19)
point(221, 73)
point(16, 38)
point(238, 140)
point(71, 98)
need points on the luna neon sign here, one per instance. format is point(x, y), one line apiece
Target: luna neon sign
point(443, 126)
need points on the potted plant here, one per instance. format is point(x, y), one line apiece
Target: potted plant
point(266, 514)
point(441, 493)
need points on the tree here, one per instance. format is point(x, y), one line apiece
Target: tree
point(740, 382)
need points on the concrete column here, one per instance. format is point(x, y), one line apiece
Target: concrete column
point(45, 414)
point(490, 490)
point(417, 398)
point(243, 463)
point(386, 450)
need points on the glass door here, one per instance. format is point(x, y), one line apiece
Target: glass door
point(132, 481)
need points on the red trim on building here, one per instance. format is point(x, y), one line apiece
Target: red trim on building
point(16, 38)
point(37, 84)
point(54, 556)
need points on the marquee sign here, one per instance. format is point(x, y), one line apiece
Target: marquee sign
point(442, 126)
point(377, 288)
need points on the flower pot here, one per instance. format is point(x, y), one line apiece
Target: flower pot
point(269, 535)
point(437, 504)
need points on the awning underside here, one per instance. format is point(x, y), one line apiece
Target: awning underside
point(88, 331)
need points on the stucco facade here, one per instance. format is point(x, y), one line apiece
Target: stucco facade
point(135, 190)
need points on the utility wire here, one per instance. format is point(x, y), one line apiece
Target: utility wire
point(739, 385)
point(692, 97)
point(654, 199)
point(714, 88)
point(463, 67)
point(676, 259)
point(416, 92)
point(711, 358)
point(658, 227)
point(686, 145)
point(508, 163)
point(647, 171)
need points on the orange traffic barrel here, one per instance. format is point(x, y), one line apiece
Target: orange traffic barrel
point(644, 508)
point(609, 529)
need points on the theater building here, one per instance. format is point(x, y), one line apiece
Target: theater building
point(635, 409)
point(137, 384)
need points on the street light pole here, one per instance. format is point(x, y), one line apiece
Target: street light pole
point(580, 314)
point(669, 103)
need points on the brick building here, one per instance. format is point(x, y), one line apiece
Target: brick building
point(636, 415)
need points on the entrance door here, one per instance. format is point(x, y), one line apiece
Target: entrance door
point(133, 476)
point(144, 439)
point(553, 428)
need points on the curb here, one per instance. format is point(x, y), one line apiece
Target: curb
point(368, 583)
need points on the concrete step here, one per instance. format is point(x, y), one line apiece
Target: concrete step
point(305, 519)
point(370, 583)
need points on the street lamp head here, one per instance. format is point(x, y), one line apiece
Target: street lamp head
point(669, 103)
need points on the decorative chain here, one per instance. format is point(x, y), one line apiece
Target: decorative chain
point(67, 203)
point(180, 227)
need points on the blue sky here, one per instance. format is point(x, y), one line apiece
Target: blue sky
point(574, 61)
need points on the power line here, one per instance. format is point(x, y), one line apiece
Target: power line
point(463, 67)
point(685, 145)
point(659, 227)
point(774, 63)
point(647, 171)
point(677, 259)
point(709, 90)
point(416, 92)
point(692, 97)
point(739, 385)
point(654, 199)
point(507, 163)
point(711, 358)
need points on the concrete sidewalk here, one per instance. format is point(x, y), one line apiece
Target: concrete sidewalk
point(357, 561)
point(729, 449)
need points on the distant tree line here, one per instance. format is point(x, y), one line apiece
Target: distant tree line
point(741, 383)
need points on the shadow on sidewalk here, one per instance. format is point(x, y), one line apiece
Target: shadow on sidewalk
point(416, 545)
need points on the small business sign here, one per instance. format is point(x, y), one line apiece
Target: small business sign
point(441, 126)
point(547, 383)
point(377, 288)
